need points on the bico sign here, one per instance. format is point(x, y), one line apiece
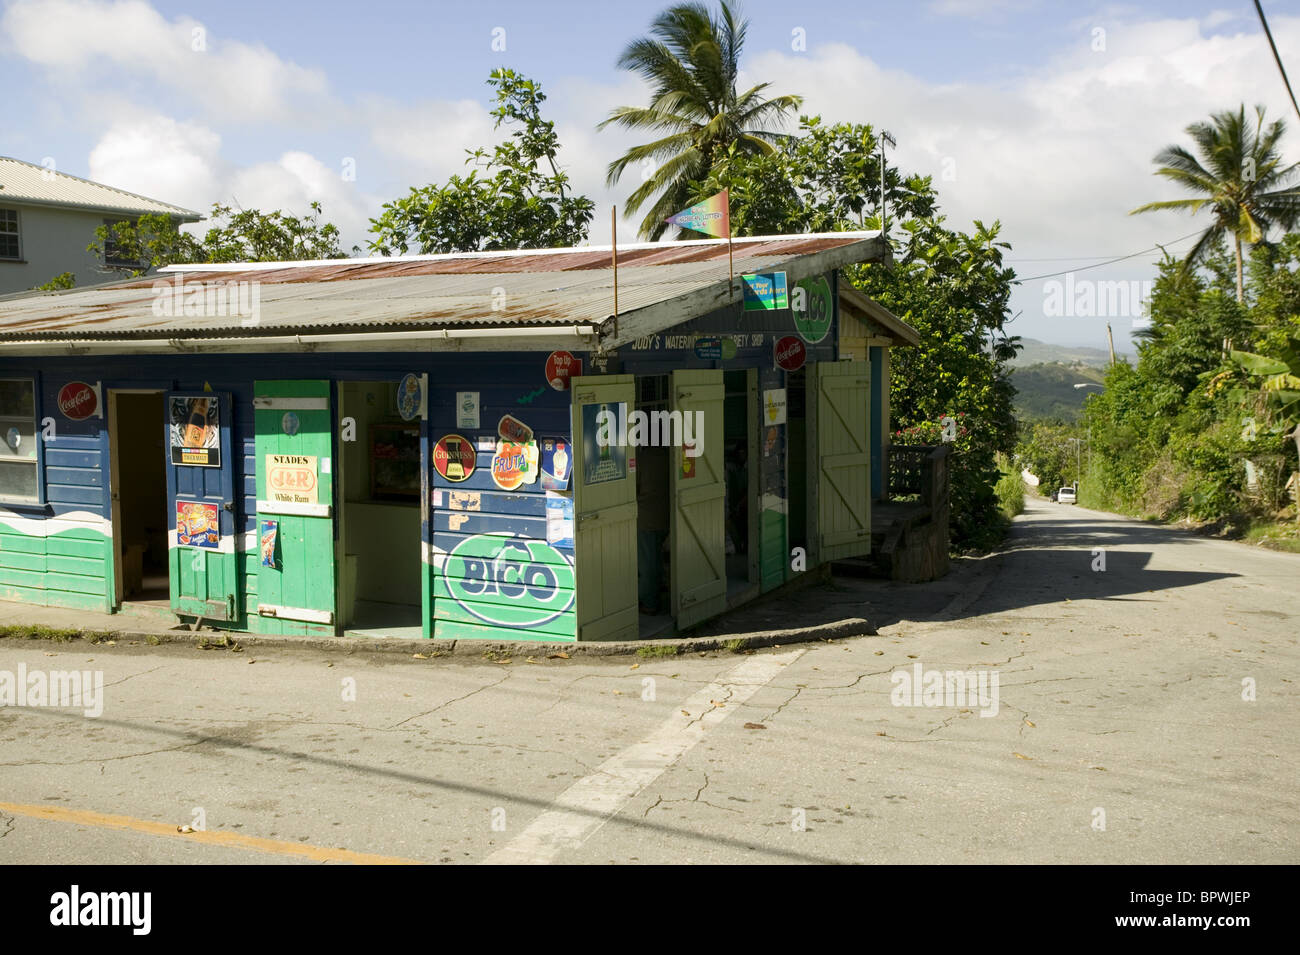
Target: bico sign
point(509, 581)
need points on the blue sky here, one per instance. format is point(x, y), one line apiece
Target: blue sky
point(1009, 104)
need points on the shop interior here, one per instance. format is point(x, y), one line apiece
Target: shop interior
point(653, 512)
point(379, 552)
point(740, 472)
point(140, 518)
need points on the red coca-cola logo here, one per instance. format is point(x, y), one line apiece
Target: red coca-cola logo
point(77, 400)
point(790, 353)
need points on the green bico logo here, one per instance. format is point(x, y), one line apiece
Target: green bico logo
point(509, 581)
point(812, 309)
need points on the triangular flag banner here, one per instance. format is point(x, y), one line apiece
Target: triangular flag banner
point(712, 216)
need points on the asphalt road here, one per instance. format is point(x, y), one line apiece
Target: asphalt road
point(1122, 733)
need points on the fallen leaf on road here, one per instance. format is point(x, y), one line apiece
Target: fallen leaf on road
point(420, 656)
point(984, 643)
point(1101, 768)
point(755, 726)
point(716, 703)
point(251, 662)
point(911, 656)
point(185, 829)
point(635, 666)
point(1021, 756)
point(529, 660)
point(329, 664)
point(1029, 722)
point(882, 733)
point(557, 656)
point(618, 692)
point(506, 662)
point(684, 713)
point(880, 653)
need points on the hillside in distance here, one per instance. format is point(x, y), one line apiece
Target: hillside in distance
point(1038, 353)
point(1046, 390)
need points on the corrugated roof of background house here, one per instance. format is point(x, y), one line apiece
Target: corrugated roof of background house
point(674, 281)
point(29, 183)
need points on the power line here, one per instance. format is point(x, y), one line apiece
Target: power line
point(1121, 258)
point(1276, 58)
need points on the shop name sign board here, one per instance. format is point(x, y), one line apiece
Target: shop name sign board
point(509, 581)
point(765, 291)
point(291, 478)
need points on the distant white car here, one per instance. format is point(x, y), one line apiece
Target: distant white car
point(1065, 495)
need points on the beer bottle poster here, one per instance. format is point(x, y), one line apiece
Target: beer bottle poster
point(604, 456)
point(195, 431)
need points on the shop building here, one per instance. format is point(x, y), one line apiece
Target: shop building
point(469, 446)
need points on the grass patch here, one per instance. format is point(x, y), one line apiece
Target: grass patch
point(25, 631)
point(1281, 535)
point(1010, 490)
point(738, 645)
point(658, 651)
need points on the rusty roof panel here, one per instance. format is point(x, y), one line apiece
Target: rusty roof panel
point(542, 288)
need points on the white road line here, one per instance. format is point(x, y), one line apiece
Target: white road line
point(583, 808)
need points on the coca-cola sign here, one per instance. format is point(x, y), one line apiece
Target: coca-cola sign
point(790, 353)
point(78, 400)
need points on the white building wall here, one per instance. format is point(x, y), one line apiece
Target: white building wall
point(54, 240)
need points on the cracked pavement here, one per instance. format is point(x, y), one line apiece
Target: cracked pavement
point(1120, 698)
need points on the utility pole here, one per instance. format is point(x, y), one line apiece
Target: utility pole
point(885, 137)
point(1111, 338)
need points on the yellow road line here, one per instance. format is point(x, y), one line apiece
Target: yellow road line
point(229, 840)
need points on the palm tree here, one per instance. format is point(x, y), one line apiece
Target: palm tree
point(1239, 177)
point(691, 57)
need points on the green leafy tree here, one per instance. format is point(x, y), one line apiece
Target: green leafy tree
point(523, 202)
point(1239, 178)
point(137, 246)
point(691, 59)
point(60, 282)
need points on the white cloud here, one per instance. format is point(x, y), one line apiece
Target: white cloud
point(75, 40)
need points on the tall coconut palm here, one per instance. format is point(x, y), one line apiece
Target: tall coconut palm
point(1240, 178)
point(691, 57)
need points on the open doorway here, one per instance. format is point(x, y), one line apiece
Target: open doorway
point(653, 516)
point(740, 471)
point(378, 546)
point(139, 499)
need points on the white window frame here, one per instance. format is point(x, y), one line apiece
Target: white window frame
point(37, 462)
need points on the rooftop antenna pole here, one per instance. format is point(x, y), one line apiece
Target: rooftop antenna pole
point(613, 238)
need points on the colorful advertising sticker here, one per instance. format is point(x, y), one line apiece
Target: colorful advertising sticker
point(602, 462)
point(765, 291)
point(557, 463)
point(511, 428)
point(789, 353)
point(514, 464)
point(560, 367)
point(454, 457)
point(813, 320)
point(197, 524)
point(291, 478)
point(268, 532)
point(774, 406)
point(409, 394)
point(559, 520)
point(195, 432)
point(467, 410)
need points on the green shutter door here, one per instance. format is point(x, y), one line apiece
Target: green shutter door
point(698, 535)
point(295, 488)
point(604, 513)
point(843, 391)
point(202, 559)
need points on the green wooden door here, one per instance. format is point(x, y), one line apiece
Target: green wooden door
point(295, 489)
point(843, 391)
point(604, 508)
point(699, 496)
point(200, 484)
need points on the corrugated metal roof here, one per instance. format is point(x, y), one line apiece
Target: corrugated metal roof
point(552, 287)
point(26, 182)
